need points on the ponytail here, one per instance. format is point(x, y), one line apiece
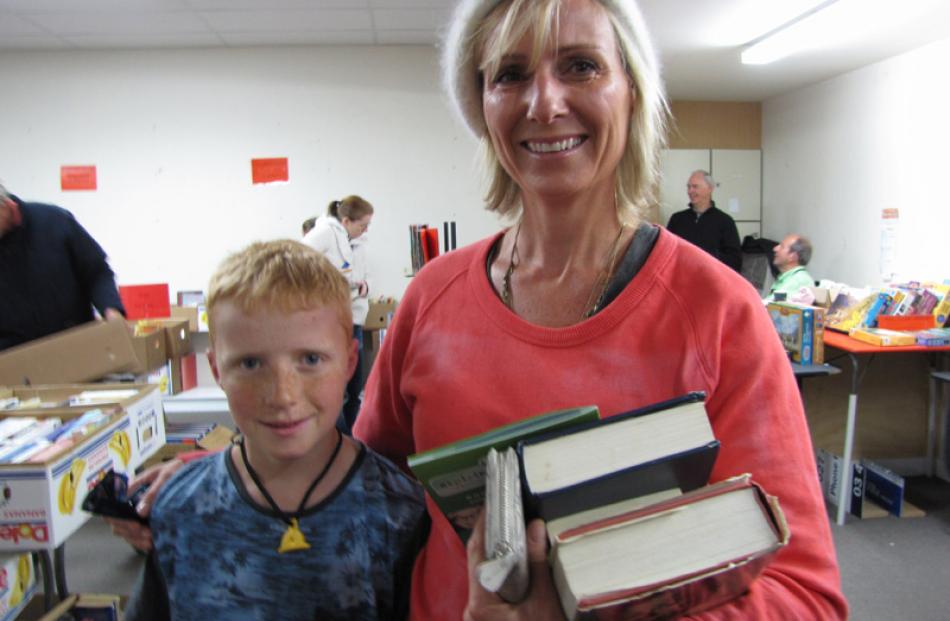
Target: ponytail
point(334, 209)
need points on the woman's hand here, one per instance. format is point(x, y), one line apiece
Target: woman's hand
point(139, 535)
point(542, 602)
point(363, 289)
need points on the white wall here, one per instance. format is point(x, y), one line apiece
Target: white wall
point(173, 132)
point(837, 153)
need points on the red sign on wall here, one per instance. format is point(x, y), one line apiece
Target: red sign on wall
point(269, 170)
point(77, 178)
point(145, 301)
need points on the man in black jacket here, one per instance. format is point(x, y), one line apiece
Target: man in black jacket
point(52, 272)
point(706, 226)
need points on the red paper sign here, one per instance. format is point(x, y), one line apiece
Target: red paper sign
point(77, 177)
point(145, 301)
point(269, 170)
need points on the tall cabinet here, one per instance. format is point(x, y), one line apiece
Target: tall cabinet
point(738, 175)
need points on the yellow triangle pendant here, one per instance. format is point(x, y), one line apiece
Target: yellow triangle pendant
point(293, 539)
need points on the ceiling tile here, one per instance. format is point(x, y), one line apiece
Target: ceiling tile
point(118, 22)
point(405, 37)
point(409, 19)
point(104, 42)
point(11, 25)
point(293, 20)
point(237, 39)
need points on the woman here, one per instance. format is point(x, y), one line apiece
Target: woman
point(580, 302)
point(340, 236)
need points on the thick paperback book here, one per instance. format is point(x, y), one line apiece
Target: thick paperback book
point(703, 548)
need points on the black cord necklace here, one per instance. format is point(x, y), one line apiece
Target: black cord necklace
point(293, 538)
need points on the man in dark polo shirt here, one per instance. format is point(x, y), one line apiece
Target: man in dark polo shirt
point(705, 225)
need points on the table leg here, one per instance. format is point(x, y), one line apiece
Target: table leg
point(844, 490)
point(844, 479)
point(59, 568)
point(932, 427)
point(49, 588)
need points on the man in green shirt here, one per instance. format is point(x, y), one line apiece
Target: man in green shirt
point(791, 257)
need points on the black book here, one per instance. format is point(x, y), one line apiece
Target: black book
point(664, 446)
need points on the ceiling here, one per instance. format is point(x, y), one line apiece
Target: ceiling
point(699, 40)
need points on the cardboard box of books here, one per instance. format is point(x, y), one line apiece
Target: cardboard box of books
point(64, 439)
point(801, 329)
point(17, 584)
point(380, 314)
point(176, 333)
point(80, 354)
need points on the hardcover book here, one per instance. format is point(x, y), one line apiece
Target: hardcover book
point(701, 549)
point(669, 445)
point(454, 474)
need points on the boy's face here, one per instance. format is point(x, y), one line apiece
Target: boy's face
point(284, 376)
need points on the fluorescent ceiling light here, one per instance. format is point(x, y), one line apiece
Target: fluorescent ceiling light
point(831, 25)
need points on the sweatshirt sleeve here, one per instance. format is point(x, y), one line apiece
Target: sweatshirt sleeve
point(756, 413)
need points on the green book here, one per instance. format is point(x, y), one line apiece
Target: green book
point(454, 474)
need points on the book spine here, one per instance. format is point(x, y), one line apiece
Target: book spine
point(858, 483)
point(808, 336)
point(884, 487)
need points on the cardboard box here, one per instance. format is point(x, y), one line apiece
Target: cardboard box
point(149, 351)
point(17, 584)
point(80, 354)
point(380, 314)
point(42, 502)
point(177, 335)
point(186, 313)
point(89, 606)
point(217, 439)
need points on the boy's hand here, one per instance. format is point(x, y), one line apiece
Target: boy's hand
point(542, 603)
point(138, 535)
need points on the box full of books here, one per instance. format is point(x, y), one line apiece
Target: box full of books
point(17, 584)
point(58, 441)
point(801, 329)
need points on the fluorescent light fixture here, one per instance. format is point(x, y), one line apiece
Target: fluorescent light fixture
point(831, 24)
point(804, 32)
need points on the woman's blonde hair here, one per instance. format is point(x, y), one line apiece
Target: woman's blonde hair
point(283, 275)
point(482, 31)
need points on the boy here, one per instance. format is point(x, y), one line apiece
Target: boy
point(294, 521)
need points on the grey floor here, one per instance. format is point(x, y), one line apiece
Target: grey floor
point(892, 569)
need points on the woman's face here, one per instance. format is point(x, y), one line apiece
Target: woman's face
point(355, 228)
point(561, 128)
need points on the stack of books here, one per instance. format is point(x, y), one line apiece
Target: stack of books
point(618, 490)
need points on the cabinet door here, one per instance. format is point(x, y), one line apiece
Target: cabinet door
point(738, 175)
point(676, 165)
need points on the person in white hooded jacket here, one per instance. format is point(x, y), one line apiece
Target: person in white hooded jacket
point(340, 236)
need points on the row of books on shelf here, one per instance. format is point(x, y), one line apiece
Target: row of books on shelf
point(612, 492)
point(424, 242)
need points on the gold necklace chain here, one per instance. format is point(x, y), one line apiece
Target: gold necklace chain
point(600, 284)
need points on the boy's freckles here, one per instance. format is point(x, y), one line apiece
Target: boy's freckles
point(284, 375)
